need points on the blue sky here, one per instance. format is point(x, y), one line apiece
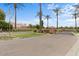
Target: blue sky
point(27, 14)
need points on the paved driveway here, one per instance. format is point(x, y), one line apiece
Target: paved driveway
point(46, 45)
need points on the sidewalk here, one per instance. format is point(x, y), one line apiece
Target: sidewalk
point(74, 51)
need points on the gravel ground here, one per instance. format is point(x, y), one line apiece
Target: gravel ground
point(47, 45)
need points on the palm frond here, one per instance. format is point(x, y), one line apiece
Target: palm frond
point(57, 10)
point(47, 17)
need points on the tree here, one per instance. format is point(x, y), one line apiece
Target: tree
point(30, 25)
point(57, 11)
point(37, 26)
point(2, 15)
point(42, 23)
point(16, 6)
point(75, 14)
point(47, 17)
point(75, 17)
point(40, 15)
point(5, 26)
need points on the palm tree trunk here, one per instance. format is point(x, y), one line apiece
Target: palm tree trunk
point(47, 23)
point(75, 23)
point(40, 17)
point(57, 20)
point(9, 22)
point(15, 13)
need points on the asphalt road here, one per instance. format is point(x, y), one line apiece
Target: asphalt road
point(47, 45)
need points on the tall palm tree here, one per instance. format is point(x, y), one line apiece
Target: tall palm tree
point(16, 6)
point(76, 13)
point(40, 15)
point(57, 11)
point(9, 11)
point(47, 17)
point(75, 17)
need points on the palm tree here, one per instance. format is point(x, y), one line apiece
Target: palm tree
point(75, 17)
point(9, 11)
point(40, 15)
point(57, 11)
point(76, 13)
point(16, 6)
point(47, 17)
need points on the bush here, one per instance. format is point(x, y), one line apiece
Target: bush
point(5, 26)
point(37, 26)
point(35, 31)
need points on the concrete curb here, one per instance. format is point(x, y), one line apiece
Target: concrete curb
point(74, 51)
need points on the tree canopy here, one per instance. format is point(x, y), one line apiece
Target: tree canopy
point(5, 26)
point(2, 15)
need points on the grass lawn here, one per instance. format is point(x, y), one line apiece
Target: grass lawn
point(13, 35)
point(6, 38)
point(75, 33)
point(25, 35)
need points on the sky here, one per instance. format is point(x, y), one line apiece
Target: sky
point(27, 14)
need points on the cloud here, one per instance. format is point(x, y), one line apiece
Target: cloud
point(72, 20)
point(52, 6)
point(66, 9)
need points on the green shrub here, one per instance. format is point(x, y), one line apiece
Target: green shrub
point(5, 26)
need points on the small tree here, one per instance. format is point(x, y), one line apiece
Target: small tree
point(37, 26)
point(47, 17)
point(30, 25)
